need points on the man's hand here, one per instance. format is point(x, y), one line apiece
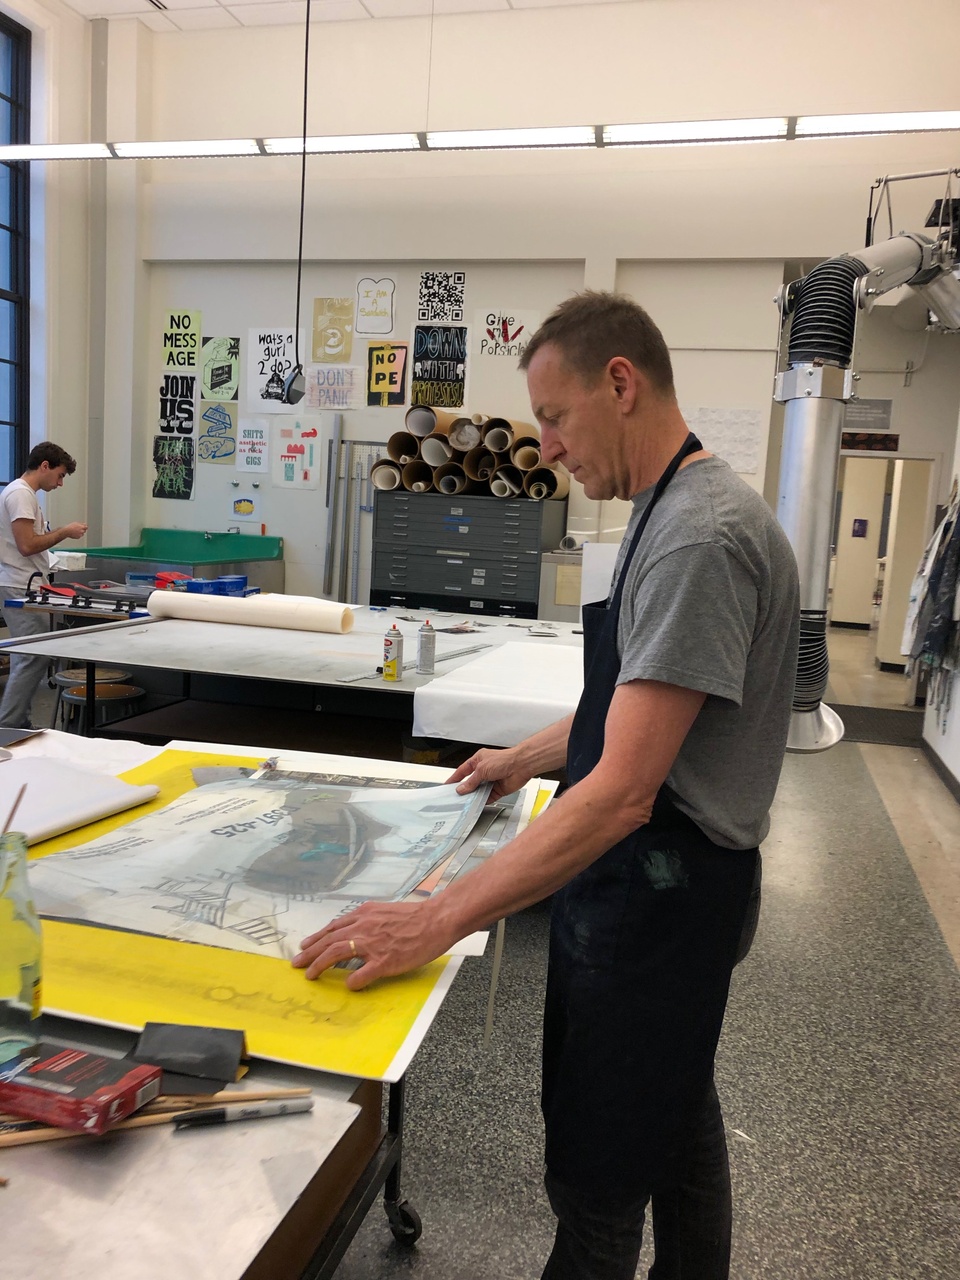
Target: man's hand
point(502, 768)
point(390, 938)
point(75, 530)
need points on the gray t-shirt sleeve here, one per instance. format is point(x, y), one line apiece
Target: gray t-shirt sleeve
point(694, 617)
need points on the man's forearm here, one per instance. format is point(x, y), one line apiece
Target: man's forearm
point(546, 750)
point(43, 542)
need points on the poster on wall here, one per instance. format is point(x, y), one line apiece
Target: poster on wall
point(386, 374)
point(375, 305)
point(271, 355)
point(332, 330)
point(181, 340)
point(217, 440)
point(173, 461)
point(220, 368)
point(504, 331)
point(334, 386)
point(440, 297)
point(296, 454)
point(253, 445)
point(439, 365)
point(732, 434)
point(177, 406)
point(245, 507)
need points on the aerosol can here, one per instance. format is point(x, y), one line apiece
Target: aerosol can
point(393, 654)
point(426, 649)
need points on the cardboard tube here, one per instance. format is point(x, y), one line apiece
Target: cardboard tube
point(292, 613)
point(403, 447)
point(525, 453)
point(422, 421)
point(417, 476)
point(436, 450)
point(464, 436)
point(450, 478)
point(385, 474)
point(480, 463)
point(478, 419)
point(506, 481)
point(546, 482)
point(505, 432)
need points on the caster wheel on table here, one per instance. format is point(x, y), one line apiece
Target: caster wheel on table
point(405, 1224)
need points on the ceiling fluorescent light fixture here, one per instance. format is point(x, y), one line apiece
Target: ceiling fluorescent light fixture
point(185, 150)
point(495, 139)
point(695, 131)
point(879, 122)
point(56, 151)
point(341, 145)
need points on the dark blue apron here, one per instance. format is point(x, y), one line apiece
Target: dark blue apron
point(642, 943)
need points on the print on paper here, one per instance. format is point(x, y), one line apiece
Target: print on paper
point(332, 330)
point(220, 368)
point(181, 340)
point(296, 454)
point(375, 305)
point(441, 295)
point(173, 460)
point(218, 432)
point(439, 365)
point(253, 445)
point(386, 373)
point(504, 332)
point(271, 355)
point(177, 408)
point(334, 386)
point(246, 507)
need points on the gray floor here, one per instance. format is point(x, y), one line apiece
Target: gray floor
point(838, 1070)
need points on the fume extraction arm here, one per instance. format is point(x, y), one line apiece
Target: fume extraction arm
point(819, 313)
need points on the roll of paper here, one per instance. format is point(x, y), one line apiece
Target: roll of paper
point(546, 482)
point(403, 447)
point(385, 475)
point(435, 450)
point(480, 463)
point(499, 434)
point(464, 435)
point(417, 476)
point(525, 453)
point(290, 613)
point(422, 421)
point(506, 481)
point(450, 478)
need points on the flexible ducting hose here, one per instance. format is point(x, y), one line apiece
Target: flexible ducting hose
point(813, 664)
point(825, 312)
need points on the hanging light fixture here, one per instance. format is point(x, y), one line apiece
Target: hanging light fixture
point(295, 385)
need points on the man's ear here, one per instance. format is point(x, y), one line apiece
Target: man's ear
point(623, 377)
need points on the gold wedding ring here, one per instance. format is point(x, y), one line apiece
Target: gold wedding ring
point(353, 947)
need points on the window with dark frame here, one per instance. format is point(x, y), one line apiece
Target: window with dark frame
point(14, 253)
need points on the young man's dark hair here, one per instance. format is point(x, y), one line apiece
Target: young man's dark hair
point(591, 328)
point(52, 455)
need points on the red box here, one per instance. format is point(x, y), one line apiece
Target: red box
point(72, 1089)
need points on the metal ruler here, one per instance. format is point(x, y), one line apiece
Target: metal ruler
point(408, 666)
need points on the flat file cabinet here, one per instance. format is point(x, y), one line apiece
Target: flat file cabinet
point(466, 553)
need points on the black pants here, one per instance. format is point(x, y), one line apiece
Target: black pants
point(692, 1213)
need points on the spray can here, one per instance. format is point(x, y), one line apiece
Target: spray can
point(393, 654)
point(426, 649)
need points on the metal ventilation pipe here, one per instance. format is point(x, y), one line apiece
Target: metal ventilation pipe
point(823, 306)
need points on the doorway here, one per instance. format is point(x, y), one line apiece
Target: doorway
point(883, 520)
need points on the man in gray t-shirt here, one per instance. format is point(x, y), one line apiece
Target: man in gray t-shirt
point(711, 603)
point(651, 853)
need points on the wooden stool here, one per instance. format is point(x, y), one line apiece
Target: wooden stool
point(107, 696)
point(71, 676)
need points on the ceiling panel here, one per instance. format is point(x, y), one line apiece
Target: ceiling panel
point(203, 19)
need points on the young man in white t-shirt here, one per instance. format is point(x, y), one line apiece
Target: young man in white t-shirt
point(25, 543)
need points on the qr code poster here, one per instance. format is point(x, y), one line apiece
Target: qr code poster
point(439, 365)
point(441, 296)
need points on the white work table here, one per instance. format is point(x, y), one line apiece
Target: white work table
point(275, 1199)
point(343, 662)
